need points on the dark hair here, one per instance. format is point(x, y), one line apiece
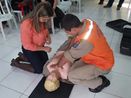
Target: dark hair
point(42, 9)
point(70, 21)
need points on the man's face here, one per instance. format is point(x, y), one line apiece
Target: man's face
point(72, 32)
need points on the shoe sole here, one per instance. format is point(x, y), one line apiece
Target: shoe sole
point(106, 85)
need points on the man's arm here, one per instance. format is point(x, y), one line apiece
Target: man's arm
point(65, 45)
point(58, 59)
point(78, 50)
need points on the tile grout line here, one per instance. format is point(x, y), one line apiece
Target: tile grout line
point(7, 75)
point(30, 85)
point(112, 94)
point(11, 89)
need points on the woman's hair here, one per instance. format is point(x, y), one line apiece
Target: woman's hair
point(70, 21)
point(42, 9)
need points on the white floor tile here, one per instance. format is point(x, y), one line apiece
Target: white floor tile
point(5, 70)
point(13, 41)
point(81, 92)
point(32, 86)
point(11, 55)
point(5, 50)
point(24, 96)
point(104, 95)
point(19, 80)
point(120, 85)
point(8, 93)
point(122, 65)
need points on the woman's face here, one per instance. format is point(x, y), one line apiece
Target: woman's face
point(44, 19)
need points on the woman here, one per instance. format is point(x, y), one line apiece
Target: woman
point(34, 36)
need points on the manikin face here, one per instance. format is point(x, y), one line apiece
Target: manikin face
point(54, 75)
point(51, 76)
point(44, 19)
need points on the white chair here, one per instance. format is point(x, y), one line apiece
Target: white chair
point(15, 12)
point(64, 5)
point(6, 15)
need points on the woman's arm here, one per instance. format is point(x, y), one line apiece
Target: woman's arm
point(48, 41)
point(45, 48)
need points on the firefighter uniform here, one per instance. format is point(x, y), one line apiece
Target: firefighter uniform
point(90, 55)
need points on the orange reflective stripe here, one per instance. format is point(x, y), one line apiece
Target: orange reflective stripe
point(88, 33)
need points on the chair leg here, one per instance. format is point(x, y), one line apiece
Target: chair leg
point(2, 30)
point(20, 16)
point(15, 23)
point(9, 23)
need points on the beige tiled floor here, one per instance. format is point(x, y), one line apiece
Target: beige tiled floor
point(16, 83)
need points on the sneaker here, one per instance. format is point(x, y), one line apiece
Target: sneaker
point(105, 83)
point(13, 62)
point(101, 2)
point(118, 8)
point(20, 54)
point(22, 57)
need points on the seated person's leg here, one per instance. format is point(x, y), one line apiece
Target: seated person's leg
point(36, 62)
point(24, 66)
point(88, 75)
point(22, 57)
point(35, 59)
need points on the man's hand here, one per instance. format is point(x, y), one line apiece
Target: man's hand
point(64, 70)
point(51, 68)
point(48, 42)
point(52, 64)
point(63, 61)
